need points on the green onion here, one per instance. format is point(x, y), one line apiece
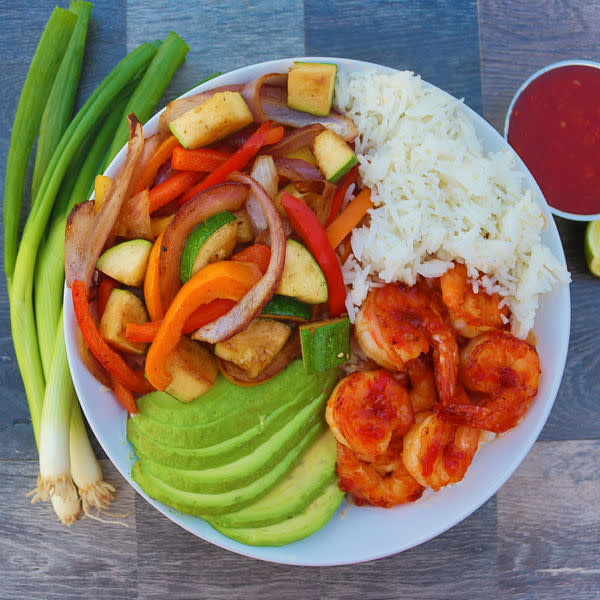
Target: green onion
point(143, 101)
point(30, 108)
point(21, 292)
point(59, 108)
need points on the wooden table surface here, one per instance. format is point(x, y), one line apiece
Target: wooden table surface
point(538, 537)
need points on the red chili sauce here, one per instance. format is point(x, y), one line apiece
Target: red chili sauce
point(555, 128)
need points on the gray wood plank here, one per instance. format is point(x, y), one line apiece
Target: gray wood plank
point(548, 516)
point(460, 563)
point(438, 40)
point(221, 36)
point(43, 559)
point(192, 568)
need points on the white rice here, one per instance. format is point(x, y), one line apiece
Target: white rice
point(439, 198)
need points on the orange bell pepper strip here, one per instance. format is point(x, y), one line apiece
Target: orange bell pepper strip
point(224, 279)
point(109, 359)
point(204, 314)
point(203, 160)
point(124, 396)
point(161, 156)
point(274, 135)
point(257, 254)
point(151, 287)
point(172, 188)
point(236, 162)
point(340, 194)
point(349, 218)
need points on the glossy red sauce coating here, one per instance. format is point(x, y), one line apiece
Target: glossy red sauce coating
point(555, 128)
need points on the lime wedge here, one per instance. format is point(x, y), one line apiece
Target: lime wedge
point(592, 247)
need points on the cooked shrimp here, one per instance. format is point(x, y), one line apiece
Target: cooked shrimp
point(366, 409)
point(422, 392)
point(501, 373)
point(470, 313)
point(438, 454)
point(385, 482)
point(396, 324)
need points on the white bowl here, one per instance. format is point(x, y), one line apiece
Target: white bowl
point(557, 65)
point(358, 534)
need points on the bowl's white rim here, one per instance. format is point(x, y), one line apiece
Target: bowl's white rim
point(524, 85)
point(266, 553)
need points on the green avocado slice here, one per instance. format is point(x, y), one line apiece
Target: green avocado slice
point(247, 468)
point(317, 514)
point(204, 504)
point(218, 454)
point(239, 424)
point(307, 480)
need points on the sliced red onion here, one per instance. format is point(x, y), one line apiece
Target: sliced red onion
point(296, 169)
point(164, 172)
point(251, 305)
point(150, 145)
point(299, 138)
point(264, 173)
point(177, 107)
point(275, 108)
point(86, 234)
point(209, 202)
point(134, 218)
point(251, 93)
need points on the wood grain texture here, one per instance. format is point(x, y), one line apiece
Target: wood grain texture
point(222, 36)
point(437, 39)
point(548, 516)
point(42, 559)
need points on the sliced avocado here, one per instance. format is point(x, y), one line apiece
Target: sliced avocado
point(126, 262)
point(249, 467)
point(291, 497)
point(333, 155)
point(310, 87)
point(216, 118)
point(288, 308)
point(316, 515)
point(122, 307)
point(227, 410)
point(325, 344)
point(202, 505)
point(256, 346)
point(214, 239)
point(302, 277)
point(218, 454)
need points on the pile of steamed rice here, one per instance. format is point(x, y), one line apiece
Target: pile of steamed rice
point(438, 198)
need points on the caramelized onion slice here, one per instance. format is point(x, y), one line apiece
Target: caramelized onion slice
point(298, 138)
point(86, 234)
point(251, 305)
point(265, 174)
point(209, 202)
point(296, 169)
point(251, 94)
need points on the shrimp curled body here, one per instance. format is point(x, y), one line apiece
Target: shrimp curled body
point(438, 454)
point(396, 324)
point(501, 373)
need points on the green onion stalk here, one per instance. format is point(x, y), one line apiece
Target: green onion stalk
point(84, 468)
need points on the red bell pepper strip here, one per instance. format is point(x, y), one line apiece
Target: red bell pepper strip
point(236, 162)
point(340, 194)
point(304, 221)
point(109, 359)
point(204, 160)
point(124, 396)
point(172, 188)
point(207, 313)
point(257, 254)
point(104, 290)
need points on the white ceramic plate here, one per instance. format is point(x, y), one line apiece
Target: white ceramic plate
point(357, 534)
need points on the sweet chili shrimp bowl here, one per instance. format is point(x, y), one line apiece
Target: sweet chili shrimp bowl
point(360, 533)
